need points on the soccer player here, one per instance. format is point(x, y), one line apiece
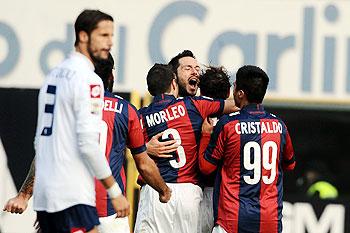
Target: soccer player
point(121, 128)
point(187, 70)
point(68, 155)
point(214, 82)
point(179, 119)
point(250, 149)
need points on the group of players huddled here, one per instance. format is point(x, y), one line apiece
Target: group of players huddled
point(207, 162)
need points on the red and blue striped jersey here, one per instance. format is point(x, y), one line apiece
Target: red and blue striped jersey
point(121, 127)
point(250, 148)
point(179, 119)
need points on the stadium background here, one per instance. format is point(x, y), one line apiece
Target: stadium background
point(303, 45)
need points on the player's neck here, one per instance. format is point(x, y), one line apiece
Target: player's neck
point(83, 50)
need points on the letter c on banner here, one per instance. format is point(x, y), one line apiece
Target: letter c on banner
point(169, 13)
point(10, 60)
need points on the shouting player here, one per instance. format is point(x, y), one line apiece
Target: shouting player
point(179, 119)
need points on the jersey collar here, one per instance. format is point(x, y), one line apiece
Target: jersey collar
point(163, 98)
point(83, 57)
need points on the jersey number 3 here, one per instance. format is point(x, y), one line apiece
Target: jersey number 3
point(268, 154)
point(49, 107)
point(180, 150)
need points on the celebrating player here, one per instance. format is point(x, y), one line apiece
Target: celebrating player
point(181, 120)
point(122, 128)
point(214, 82)
point(187, 70)
point(251, 148)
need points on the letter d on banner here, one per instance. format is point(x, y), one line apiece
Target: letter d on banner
point(65, 47)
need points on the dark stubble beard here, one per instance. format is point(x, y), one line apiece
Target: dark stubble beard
point(95, 59)
point(182, 90)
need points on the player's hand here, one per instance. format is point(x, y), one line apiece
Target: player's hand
point(16, 205)
point(161, 149)
point(36, 225)
point(165, 196)
point(208, 125)
point(121, 206)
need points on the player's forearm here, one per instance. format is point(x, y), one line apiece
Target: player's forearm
point(204, 166)
point(150, 173)
point(92, 153)
point(26, 190)
point(111, 186)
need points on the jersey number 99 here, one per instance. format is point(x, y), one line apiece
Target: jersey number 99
point(268, 154)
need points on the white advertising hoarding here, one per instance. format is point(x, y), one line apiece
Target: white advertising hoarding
point(303, 45)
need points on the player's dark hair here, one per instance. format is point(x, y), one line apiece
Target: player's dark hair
point(159, 79)
point(174, 62)
point(87, 21)
point(104, 69)
point(215, 82)
point(253, 81)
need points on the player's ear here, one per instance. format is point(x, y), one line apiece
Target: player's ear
point(83, 37)
point(228, 94)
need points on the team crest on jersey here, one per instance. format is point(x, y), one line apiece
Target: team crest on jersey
point(95, 98)
point(77, 230)
point(95, 91)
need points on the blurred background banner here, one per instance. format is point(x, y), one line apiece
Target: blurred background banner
point(303, 45)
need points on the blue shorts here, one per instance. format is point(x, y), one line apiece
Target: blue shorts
point(73, 219)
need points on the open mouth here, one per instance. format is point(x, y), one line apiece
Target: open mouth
point(193, 82)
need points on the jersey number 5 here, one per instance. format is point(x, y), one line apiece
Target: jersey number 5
point(180, 150)
point(269, 157)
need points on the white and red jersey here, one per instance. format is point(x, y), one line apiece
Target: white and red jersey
point(69, 104)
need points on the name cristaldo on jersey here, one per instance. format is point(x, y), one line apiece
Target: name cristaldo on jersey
point(258, 127)
point(165, 115)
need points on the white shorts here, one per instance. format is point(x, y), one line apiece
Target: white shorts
point(206, 219)
point(111, 224)
point(180, 214)
point(219, 229)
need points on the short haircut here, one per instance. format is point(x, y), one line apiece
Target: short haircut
point(253, 81)
point(174, 62)
point(159, 79)
point(87, 21)
point(104, 69)
point(215, 82)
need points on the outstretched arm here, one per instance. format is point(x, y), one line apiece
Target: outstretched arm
point(19, 203)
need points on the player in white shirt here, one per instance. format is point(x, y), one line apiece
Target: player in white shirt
point(67, 149)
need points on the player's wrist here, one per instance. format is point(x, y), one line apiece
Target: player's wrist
point(114, 191)
point(206, 134)
point(25, 196)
